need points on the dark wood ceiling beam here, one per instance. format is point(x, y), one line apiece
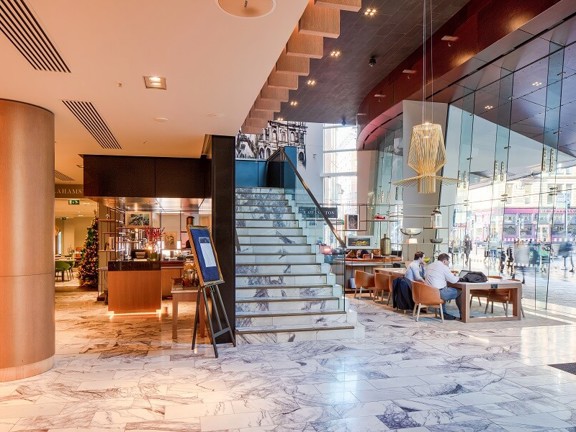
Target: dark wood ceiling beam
point(347, 5)
point(320, 21)
point(293, 65)
point(305, 45)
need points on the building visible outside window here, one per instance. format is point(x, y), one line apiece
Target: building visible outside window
point(340, 167)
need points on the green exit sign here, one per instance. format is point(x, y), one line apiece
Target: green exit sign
point(73, 202)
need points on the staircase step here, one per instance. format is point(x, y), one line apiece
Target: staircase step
point(296, 333)
point(272, 231)
point(263, 209)
point(280, 291)
point(260, 191)
point(280, 249)
point(267, 258)
point(264, 216)
point(282, 279)
point(266, 223)
point(244, 201)
point(263, 318)
point(285, 269)
point(269, 240)
point(286, 305)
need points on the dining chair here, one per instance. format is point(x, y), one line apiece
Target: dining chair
point(363, 281)
point(61, 267)
point(499, 295)
point(479, 294)
point(383, 284)
point(425, 295)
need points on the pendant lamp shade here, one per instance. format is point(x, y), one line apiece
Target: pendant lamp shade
point(427, 155)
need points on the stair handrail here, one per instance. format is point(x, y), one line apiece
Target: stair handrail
point(285, 158)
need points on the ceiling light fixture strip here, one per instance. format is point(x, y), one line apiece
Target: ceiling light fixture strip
point(28, 37)
point(93, 122)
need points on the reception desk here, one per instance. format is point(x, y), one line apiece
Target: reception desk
point(134, 286)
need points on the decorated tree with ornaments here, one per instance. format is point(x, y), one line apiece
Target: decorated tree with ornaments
point(89, 263)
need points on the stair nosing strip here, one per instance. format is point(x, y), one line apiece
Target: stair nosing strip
point(284, 299)
point(260, 314)
point(241, 330)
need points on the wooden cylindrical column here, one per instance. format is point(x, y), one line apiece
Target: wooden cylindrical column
point(27, 328)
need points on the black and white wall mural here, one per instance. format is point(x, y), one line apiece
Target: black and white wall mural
point(275, 135)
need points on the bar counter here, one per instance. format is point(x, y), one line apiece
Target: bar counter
point(134, 286)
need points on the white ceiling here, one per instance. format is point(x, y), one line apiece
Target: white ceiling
point(214, 63)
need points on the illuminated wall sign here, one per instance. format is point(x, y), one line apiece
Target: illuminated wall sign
point(73, 202)
point(69, 191)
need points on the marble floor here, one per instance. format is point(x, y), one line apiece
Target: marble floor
point(126, 374)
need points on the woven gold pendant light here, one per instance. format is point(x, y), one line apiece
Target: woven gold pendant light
point(427, 154)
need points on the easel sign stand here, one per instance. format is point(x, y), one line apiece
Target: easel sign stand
point(210, 277)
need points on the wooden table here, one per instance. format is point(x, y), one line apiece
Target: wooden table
point(189, 295)
point(516, 294)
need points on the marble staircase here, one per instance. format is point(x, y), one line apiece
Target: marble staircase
point(284, 290)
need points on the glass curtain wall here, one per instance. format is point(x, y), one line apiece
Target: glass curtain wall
point(513, 212)
point(516, 172)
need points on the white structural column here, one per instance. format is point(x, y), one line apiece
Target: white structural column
point(27, 330)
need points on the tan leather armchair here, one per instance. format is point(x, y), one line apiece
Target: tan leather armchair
point(363, 281)
point(425, 295)
point(383, 284)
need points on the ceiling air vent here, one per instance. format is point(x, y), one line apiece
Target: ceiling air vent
point(89, 117)
point(22, 29)
point(62, 177)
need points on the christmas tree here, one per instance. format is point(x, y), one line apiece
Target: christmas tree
point(89, 262)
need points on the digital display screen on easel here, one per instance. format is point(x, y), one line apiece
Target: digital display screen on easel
point(205, 256)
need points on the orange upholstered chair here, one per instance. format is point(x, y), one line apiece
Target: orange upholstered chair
point(383, 284)
point(425, 295)
point(363, 281)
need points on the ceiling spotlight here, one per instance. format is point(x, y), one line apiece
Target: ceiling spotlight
point(155, 82)
point(293, 103)
point(372, 61)
point(280, 119)
point(335, 53)
point(488, 107)
point(311, 82)
point(370, 12)
point(536, 83)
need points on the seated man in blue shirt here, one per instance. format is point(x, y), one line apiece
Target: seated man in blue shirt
point(438, 275)
point(415, 271)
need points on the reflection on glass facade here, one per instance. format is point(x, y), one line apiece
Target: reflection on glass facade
point(515, 145)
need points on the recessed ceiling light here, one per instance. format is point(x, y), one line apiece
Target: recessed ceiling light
point(370, 12)
point(293, 103)
point(80, 166)
point(380, 95)
point(409, 71)
point(161, 119)
point(488, 107)
point(155, 82)
point(247, 8)
point(280, 119)
point(311, 82)
point(335, 53)
point(536, 83)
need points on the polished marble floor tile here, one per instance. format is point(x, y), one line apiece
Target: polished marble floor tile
point(127, 374)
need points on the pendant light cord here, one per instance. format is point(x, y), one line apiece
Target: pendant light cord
point(424, 19)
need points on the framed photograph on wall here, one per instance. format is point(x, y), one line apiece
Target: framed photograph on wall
point(138, 219)
point(351, 222)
